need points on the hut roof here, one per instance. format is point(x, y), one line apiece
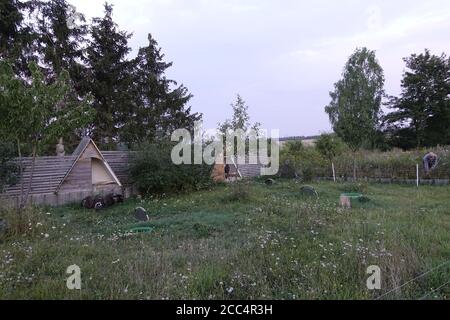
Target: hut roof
point(79, 153)
point(51, 172)
point(48, 173)
point(81, 146)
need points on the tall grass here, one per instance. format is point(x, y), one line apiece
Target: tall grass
point(396, 164)
point(278, 244)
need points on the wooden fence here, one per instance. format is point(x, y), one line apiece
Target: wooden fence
point(49, 172)
point(54, 200)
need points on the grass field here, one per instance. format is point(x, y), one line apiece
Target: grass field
point(275, 243)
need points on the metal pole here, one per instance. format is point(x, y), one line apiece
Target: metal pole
point(417, 174)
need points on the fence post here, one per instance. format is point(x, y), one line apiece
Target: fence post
point(417, 175)
point(334, 171)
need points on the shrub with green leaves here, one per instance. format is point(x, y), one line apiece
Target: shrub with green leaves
point(305, 162)
point(153, 172)
point(8, 168)
point(354, 187)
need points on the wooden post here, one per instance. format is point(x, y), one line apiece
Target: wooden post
point(334, 171)
point(417, 175)
point(345, 202)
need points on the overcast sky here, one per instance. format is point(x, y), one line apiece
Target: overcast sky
point(282, 56)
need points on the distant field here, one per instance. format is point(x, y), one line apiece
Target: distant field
point(207, 245)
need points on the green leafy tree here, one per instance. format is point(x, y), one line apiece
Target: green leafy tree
point(295, 147)
point(239, 121)
point(160, 104)
point(11, 19)
point(32, 114)
point(110, 78)
point(18, 38)
point(62, 37)
point(355, 107)
point(422, 112)
point(134, 99)
point(329, 146)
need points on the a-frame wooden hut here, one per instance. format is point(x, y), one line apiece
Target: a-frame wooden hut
point(63, 179)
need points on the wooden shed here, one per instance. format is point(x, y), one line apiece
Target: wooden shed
point(60, 180)
point(89, 171)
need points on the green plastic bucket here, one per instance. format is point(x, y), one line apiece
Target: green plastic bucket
point(352, 195)
point(141, 230)
point(354, 198)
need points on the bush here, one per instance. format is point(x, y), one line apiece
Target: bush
point(308, 174)
point(153, 172)
point(287, 170)
point(8, 169)
point(306, 162)
point(358, 187)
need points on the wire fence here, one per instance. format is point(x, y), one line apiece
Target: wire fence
point(390, 167)
point(422, 275)
point(412, 174)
